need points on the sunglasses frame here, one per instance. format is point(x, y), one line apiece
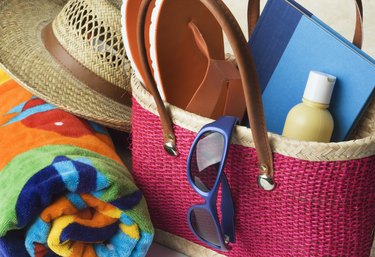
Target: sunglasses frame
point(225, 231)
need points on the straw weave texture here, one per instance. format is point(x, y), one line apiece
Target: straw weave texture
point(366, 126)
point(24, 57)
point(317, 208)
point(320, 207)
point(311, 151)
point(91, 29)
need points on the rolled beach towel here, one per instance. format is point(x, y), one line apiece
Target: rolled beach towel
point(63, 189)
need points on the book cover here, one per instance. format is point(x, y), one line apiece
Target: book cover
point(288, 42)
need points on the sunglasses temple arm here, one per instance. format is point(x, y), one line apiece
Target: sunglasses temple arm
point(227, 210)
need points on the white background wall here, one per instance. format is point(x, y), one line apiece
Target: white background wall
point(339, 14)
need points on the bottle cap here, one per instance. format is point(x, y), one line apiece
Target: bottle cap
point(319, 87)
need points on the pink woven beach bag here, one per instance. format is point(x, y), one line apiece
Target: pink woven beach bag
point(323, 203)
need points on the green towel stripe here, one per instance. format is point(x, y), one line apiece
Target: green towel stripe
point(17, 172)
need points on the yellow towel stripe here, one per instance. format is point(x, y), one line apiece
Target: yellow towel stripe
point(114, 213)
point(65, 248)
point(132, 230)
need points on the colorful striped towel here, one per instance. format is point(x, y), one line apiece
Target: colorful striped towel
point(63, 189)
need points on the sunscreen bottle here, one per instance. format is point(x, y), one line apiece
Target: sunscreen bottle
point(311, 120)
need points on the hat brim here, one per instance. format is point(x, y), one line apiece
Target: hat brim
point(24, 57)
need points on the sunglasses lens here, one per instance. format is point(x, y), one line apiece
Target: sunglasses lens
point(203, 224)
point(206, 159)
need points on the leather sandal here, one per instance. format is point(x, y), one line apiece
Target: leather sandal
point(188, 59)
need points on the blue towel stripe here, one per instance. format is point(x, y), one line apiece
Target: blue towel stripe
point(143, 245)
point(98, 128)
point(126, 220)
point(101, 181)
point(78, 232)
point(37, 194)
point(63, 175)
point(120, 245)
point(12, 244)
point(128, 202)
point(76, 200)
point(68, 173)
point(31, 111)
point(17, 109)
point(37, 233)
point(87, 177)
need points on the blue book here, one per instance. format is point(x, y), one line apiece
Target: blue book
point(288, 42)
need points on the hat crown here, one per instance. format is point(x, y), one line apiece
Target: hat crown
point(90, 30)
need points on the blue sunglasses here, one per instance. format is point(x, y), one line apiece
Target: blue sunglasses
point(205, 166)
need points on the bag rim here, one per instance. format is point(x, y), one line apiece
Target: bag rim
point(310, 151)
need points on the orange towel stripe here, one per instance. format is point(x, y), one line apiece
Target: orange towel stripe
point(62, 206)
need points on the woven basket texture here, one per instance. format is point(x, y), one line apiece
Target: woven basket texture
point(319, 208)
point(366, 125)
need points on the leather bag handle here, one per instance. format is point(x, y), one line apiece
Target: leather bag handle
point(249, 81)
point(253, 11)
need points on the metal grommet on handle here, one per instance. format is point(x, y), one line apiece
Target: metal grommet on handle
point(170, 147)
point(264, 180)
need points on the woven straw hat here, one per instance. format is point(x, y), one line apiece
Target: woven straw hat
point(71, 54)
